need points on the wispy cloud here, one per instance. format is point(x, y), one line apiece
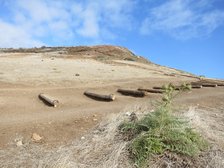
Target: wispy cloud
point(31, 22)
point(88, 16)
point(99, 17)
point(36, 22)
point(183, 19)
point(14, 36)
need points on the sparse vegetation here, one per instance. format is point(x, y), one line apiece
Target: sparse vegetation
point(129, 59)
point(162, 131)
point(102, 58)
point(201, 77)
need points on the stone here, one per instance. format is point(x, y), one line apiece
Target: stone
point(127, 113)
point(19, 143)
point(95, 119)
point(36, 137)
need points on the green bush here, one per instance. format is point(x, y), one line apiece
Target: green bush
point(161, 131)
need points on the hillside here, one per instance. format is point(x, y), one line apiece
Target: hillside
point(65, 73)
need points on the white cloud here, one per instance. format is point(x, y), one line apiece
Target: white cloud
point(13, 36)
point(30, 23)
point(119, 12)
point(41, 10)
point(183, 19)
point(101, 15)
point(90, 22)
point(63, 20)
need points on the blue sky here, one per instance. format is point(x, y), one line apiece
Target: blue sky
point(183, 34)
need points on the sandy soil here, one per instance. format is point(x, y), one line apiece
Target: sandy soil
point(24, 76)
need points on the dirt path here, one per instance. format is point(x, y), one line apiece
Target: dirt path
point(22, 113)
point(64, 146)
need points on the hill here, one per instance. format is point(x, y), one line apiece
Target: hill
point(80, 126)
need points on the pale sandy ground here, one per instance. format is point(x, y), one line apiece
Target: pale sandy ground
point(24, 76)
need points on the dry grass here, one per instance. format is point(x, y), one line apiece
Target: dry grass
point(209, 122)
point(100, 148)
point(211, 159)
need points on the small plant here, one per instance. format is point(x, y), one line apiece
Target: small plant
point(129, 59)
point(169, 93)
point(161, 131)
point(201, 77)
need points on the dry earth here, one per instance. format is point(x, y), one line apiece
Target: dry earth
point(65, 74)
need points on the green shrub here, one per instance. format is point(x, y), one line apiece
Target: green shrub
point(161, 131)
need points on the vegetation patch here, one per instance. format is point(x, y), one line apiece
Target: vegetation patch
point(129, 59)
point(161, 131)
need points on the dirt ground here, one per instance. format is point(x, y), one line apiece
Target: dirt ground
point(25, 75)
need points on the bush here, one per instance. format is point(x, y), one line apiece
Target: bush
point(161, 131)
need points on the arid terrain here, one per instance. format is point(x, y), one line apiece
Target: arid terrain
point(80, 132)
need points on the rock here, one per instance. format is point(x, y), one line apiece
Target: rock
point(82, 138)
point(36, 137)
point(96, 132)
point(127, 113)
point(77, 74)
point(94, 119)
point(19, 143)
